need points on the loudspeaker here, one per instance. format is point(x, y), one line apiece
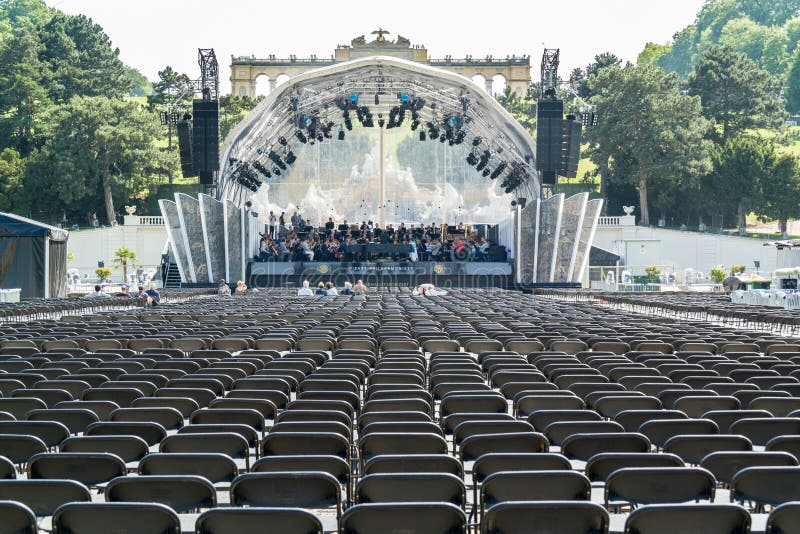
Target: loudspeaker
point(497, 253)
point(185, 148)
point(549, 119)
point(205, 135)
point(570, 148)
point(206, 178)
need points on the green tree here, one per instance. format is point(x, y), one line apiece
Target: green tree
point(172, 87)
point(22, 16)
point(735, 92)
point(792, 92)
point(22, 97)
point(741, 166)
point(232, 109)
point(646, 117)
point(141, 85)
point(767, 46)
point(78, 59)
point(12, 169)
point(770, 12)
point(601, 61)
point(522, 109)
point(96, 147)
point(124, 258)
point(780, 191)
point(652, 54)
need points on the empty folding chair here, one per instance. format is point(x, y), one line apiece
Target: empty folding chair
point(380, 443)
point(116, 517)
point(661, 431)
point(411, 487)
point(43, 496)
point(762, 430)
point(563, 485)
point(558, 432)
point(545, 517)
point(414, 463)
point(688, 518)
point(239, 520)
point(50, 432)
point(658, 485)
point(151, 433)
point(301, 489)
point(520, 442)
point(412, 518)
point(790, 444)
point(128, 448)
point(91, 469)
point(18, 449)
point(724, 465)
point(693, 448)
point(17, 517)
point(182, 493)
point(232, 444)
point(216, 468)
point(600, 466)
point(783, 519)
point(766, 486)
point(299, 443)
point(584, 446)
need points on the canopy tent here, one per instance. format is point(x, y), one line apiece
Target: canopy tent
point(33, 257)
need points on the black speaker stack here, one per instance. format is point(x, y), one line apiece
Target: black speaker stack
point(558, 141)
point(185, 148)
point(205, 139)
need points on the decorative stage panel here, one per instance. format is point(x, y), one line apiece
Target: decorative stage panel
point(194, 238)
point(212, 215)
point(175, 236)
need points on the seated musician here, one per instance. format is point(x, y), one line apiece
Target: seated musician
point(480, 249)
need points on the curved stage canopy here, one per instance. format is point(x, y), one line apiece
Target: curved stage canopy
point(431, 100)
point(387, 140)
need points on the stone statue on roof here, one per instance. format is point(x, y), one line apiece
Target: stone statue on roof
point(402, 41)
point(358, 41)
point(380, 32)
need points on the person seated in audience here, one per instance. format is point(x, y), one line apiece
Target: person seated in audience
point(348, 289)
point(142, 295)
point(241, 288)
point(321, 289)
point(283, 250)
point(123, 291)
point(436, 250)
point(224, 290)
point(306, 251)
point(98, 293)
point(480, 249)
point(360, 288)
point(330, 290)
point(305, 291)
point(155, 296)
point(265, 249)
point(413, 256)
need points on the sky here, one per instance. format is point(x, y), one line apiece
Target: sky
point(152, 34)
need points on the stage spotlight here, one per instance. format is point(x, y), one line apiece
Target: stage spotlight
point(301, 137)
point(320, 137)
point(290, 157)
point(348, 124)
point(377, 100)
point(414, 125)
point(498, 170)
point(422, 135)
point(486, 172)
point(282, 141)
point(442, 138)
point(476, 141)
point(460, 137)
point(522, 202)
point(341, 135)
point(472, 159)
point(276, 171)
point(381, 122)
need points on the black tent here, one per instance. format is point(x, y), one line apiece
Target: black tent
point(33, 257)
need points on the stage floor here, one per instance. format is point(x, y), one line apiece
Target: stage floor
point(391, 268)
point(390, 273)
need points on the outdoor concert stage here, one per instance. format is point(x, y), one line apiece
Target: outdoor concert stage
point(389, 273)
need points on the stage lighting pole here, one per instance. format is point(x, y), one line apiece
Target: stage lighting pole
point(382, 170)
